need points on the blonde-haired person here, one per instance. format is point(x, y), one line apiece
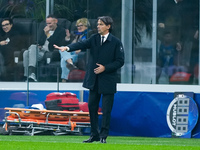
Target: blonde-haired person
point(78, 35)
point(83, 21)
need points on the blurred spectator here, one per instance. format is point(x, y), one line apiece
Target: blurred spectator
point(172, 16)
point(167, 54)
point(9, 42)
point(194, 60)
point(52, 34)
point(79, 35)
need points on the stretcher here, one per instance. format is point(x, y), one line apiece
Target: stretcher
point(33, 121)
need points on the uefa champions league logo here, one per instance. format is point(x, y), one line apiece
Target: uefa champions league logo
point(182, 115)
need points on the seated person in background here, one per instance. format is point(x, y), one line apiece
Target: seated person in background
point(52, 34)
point(79, 35)
point(167, 57)
point(194, 58)
point(9, 42)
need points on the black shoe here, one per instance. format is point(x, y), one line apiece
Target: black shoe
point(91, 139)
point(71, 66)
point(102, 140)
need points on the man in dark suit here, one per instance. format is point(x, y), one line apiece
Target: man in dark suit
point(105, 58)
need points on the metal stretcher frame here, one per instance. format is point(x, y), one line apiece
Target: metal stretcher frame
point(33, 121)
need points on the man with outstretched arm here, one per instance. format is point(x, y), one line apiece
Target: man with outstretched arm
point(106, 56)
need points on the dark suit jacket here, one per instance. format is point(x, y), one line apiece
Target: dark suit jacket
point(57, 38)
point(110, 55)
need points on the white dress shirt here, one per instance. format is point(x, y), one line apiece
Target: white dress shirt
point(105, 37)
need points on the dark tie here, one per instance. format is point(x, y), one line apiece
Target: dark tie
point(102, 39)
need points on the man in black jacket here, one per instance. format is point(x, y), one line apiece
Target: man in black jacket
point(10, 41)
point(51, 34)
point(106, 56)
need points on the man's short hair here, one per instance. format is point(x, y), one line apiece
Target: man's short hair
point(52, 16)
point(107, 20)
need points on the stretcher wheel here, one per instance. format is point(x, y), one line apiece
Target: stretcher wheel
point(3, 131)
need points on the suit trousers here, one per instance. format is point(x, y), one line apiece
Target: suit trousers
point(93, 104)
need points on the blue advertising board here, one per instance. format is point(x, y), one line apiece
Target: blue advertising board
point(182, 115)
